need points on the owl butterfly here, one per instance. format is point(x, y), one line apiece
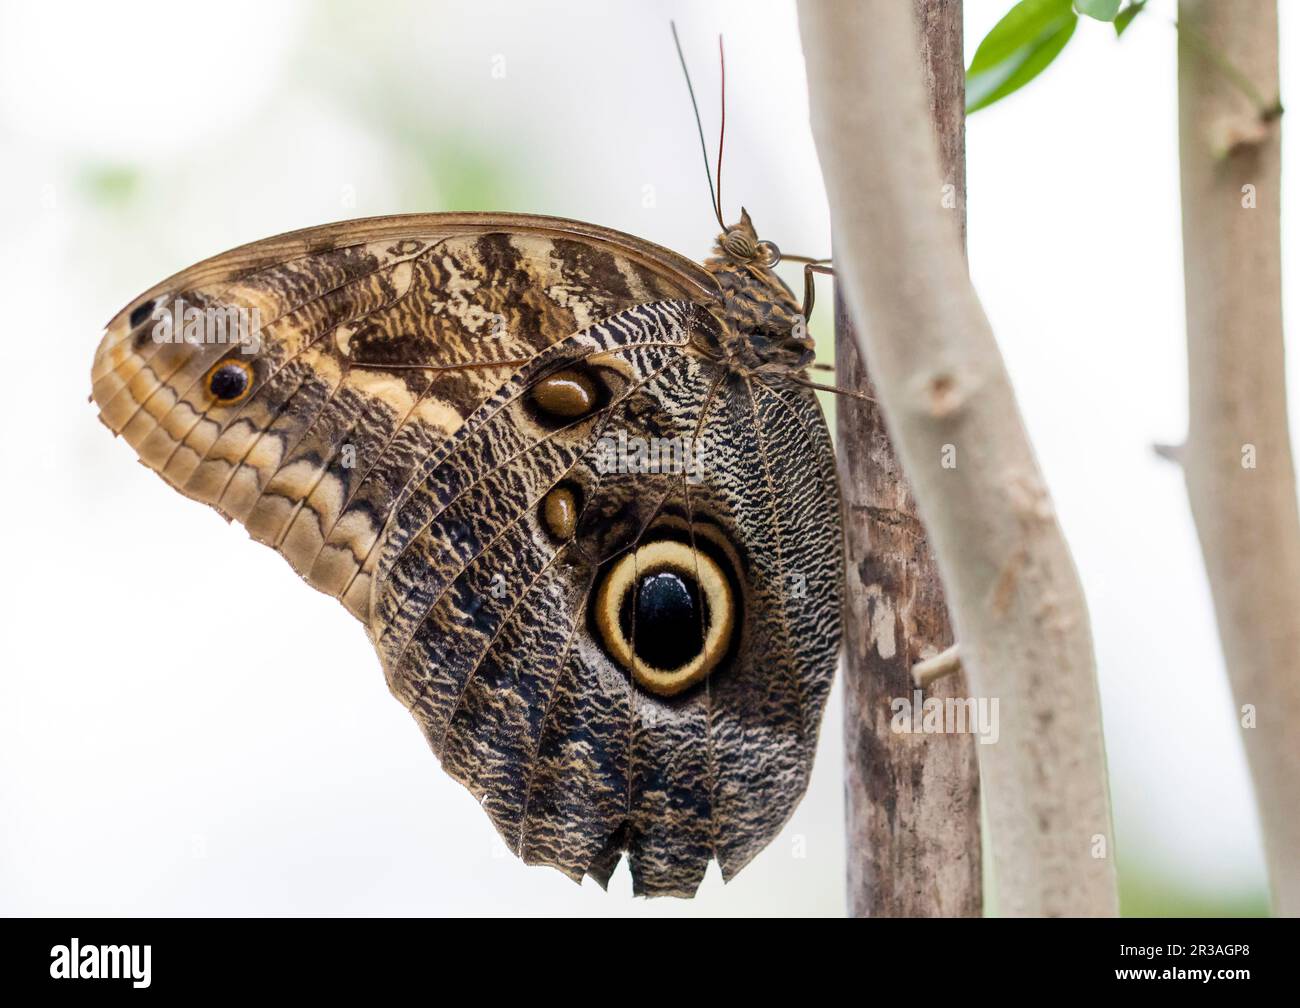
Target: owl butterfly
point(576, 488)
point(573, 485)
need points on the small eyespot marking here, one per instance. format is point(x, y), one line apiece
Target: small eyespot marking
point(567, 394)
point(140, 313)
point(560, 512)
point(229, 381)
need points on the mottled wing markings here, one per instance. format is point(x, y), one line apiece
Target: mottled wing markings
point(409, 608)
point(538, 733)
point(332, 272)
point(671, 835)
point(278, 461)
point(500, 432)
point(800, 454)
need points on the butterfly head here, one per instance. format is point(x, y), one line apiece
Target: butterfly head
point(765, 326)
point(741, 245)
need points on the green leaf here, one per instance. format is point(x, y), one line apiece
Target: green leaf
point(1018, 49)
point(1127, 15)
point(1100, 10)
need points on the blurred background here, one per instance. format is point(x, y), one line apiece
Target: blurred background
point(149, 767)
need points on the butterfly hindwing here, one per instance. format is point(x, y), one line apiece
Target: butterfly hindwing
point(484, 613)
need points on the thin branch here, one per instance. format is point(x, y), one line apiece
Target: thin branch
point(926, 673)
point(1170, 452)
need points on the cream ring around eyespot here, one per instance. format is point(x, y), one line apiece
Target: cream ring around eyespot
point(699, 567)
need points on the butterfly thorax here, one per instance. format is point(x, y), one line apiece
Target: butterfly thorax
point(763, 324)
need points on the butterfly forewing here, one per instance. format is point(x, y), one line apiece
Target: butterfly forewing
point(373, 341)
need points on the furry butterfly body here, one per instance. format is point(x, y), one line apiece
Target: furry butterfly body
point(612, 652)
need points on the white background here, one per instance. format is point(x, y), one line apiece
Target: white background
point(185, 728)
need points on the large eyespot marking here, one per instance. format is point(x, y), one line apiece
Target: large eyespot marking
point(565, 395)
point(229, 381)
point(666, 613)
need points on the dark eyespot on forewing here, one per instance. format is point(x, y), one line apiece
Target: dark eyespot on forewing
point(141, 312)
point(229, 381)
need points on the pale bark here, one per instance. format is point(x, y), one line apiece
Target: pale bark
point(912, 800)
point(1012, 588)
point(1237, 459)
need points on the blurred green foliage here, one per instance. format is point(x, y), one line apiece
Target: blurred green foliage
point(111, 186)
point(1146, 892)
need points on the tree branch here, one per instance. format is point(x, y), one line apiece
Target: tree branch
point(1012, 587)
point(912, 799)
point(1237, 461)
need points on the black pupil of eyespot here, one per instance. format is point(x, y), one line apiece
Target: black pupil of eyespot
point(229, 382)
point(668, 630)
point(141, 313)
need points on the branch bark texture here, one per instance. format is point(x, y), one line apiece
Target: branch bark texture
point(912, 799)
point(1012, 588)
point(1238, 460)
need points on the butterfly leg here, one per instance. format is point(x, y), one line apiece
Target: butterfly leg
point(810, 270)
point(810, 284)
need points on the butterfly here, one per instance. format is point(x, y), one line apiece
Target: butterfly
point(576, 488)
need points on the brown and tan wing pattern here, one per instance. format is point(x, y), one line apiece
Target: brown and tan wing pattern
point(491, 606)
point(365, 346)
point(432, 423)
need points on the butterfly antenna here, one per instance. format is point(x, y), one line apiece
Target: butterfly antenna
point(722, 130)
point(699, 126)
